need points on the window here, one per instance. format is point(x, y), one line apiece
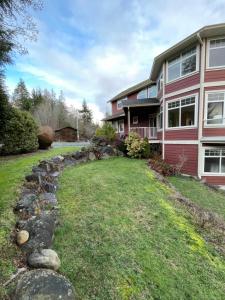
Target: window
point(183, 64)
point(181, 113)
point(119, 104)
point(115, 125)
point(160, 82)
point(121, 126)
point(214, 161)
point(135, 120)
point(143, 94)
point(215, 108)
point(160, 118)
point(146, 93)
point(217, 53)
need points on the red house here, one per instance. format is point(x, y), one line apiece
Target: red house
point(181, 107)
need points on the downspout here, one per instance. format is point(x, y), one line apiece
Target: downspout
point(201, 102)
point(164, 112)
point(128, 116)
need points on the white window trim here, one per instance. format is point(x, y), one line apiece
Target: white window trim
point(135, 122)
point(196, 113)
point(203, 163)
point(160, 81)
point(122, 121)
point(158, 121)
point(207, 54)
point(189, 74)
point(206, 110)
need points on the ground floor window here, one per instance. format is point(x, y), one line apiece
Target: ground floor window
point(214, 161)
point(121, 126)
point(160, 118)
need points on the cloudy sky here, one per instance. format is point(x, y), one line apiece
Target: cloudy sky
point(93, 49)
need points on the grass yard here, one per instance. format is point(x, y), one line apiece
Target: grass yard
point(121, 238)
point(12, 172)
point(200, 194)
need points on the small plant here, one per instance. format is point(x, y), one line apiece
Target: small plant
point(160, 166)
point(120, 145)
point(135, 145)
point(107, 132)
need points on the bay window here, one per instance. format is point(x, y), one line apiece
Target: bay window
point(182, 113)
point(216, 53)
point(215, 113)
point(183, 64)
point(214, 161)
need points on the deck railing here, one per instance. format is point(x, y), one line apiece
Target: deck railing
point(149, 132)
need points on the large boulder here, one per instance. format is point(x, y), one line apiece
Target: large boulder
point(44, 258)
point(43, 284)
point(45, 137)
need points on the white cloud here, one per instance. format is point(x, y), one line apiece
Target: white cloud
point(106, 46)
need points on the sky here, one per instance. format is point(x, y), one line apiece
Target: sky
point(93, 49)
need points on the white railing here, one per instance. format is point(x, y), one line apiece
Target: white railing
point(149, 132)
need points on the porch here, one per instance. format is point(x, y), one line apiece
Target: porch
point(145, 132)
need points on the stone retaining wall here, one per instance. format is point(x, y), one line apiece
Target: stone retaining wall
point(37, 211)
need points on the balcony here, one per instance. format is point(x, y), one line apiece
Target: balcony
point(146, 132)
point(141, 102)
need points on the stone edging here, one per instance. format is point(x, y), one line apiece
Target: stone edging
point(37, 212)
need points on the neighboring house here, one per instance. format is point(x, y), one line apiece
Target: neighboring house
point(190, 104)
point(66, 134)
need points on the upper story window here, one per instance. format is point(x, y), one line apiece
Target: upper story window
point(146, 93)
point(183, 64)
point(216, 53)
point(160, 82)
point(215, 112)
point(143, 94)
point(120, 103)
point(182, 113)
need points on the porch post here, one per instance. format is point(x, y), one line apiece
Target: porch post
point(128, 116)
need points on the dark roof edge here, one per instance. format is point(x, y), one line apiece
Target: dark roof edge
point(132, 89)
point(65, 127)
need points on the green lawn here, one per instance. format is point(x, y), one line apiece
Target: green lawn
point(200, 194)
point(121, 238)
point(12, 172)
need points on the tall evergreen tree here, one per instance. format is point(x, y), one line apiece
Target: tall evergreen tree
point(86, 113)
point(21, 97)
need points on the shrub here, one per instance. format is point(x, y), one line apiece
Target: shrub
point(45, 137)
point(162, 167)
point(120, 145)
point(107, 132)
point(146, 149)
point(135, 145)
point(20, 134)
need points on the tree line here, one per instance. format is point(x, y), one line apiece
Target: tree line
point(50, 109)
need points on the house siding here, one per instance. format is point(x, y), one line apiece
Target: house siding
point(182, 134)
point(214, 180)
point(213, 132)
point(182, 83)
point(173, 153)
point(214, 75)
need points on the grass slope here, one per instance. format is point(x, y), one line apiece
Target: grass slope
point(12, 172)
point(200, 194)
point(121, 238)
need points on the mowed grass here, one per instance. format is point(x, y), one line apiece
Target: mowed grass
point(121, 238)
point(199, 193)
point(12, 172)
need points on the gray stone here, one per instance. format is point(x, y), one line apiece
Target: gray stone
point(58, 159)
point(41, 230)
point(49, 187)
point(91, 156)
point(108, 150)
point(27, 202)
point(48, 199)
point(45, 258)
point(43, 284)
point(36, 177)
